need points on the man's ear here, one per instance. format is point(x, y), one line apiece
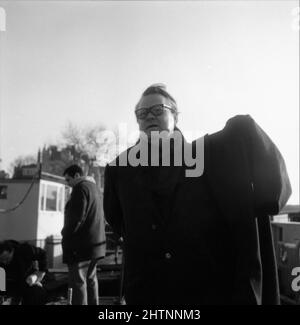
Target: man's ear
point(176, 119)
point(77, 175)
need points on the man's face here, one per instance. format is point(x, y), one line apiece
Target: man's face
point(6, 257)
point(166, 121)
point(71, 180)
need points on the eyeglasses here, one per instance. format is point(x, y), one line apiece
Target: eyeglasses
point(156, 110)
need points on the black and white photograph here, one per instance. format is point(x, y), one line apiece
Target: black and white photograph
point(149, 155)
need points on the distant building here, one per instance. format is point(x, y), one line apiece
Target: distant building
point(3, 174)
point(288, 213)
point(26, 171)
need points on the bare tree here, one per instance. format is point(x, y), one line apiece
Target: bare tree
point(94, 145)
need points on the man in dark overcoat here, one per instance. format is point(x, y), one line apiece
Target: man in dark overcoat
point(196, 235)
point(83, 236)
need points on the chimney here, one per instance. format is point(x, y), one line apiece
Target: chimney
point(39, 163)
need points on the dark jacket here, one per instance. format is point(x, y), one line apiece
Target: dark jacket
point(26, 260)
point(84, 230)
point(202, 240)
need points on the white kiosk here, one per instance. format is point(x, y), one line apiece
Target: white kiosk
point(39, 217)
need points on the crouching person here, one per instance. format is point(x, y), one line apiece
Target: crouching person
point(25, 267)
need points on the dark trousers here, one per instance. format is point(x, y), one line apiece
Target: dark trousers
point(26, 295)
point(34, 295)
point(83, 280)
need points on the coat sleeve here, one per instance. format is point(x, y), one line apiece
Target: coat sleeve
point(271, 184)
point(35, 254)
point(111, 203)
point(75, 212)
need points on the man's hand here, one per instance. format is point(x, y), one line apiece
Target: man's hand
point(31, 279)
point(35, 278)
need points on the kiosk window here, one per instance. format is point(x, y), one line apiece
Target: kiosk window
point(51, 198)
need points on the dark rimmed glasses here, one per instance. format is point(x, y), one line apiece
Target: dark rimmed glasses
point(156, 110)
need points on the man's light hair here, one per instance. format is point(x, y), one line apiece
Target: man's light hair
point(160, 89)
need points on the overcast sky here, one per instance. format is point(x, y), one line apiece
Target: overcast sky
point(88, 62)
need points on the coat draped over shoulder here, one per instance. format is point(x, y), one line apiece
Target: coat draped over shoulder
point(249, 180)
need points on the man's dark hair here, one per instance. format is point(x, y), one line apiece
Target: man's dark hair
point(6, 245)
point(72, 170)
